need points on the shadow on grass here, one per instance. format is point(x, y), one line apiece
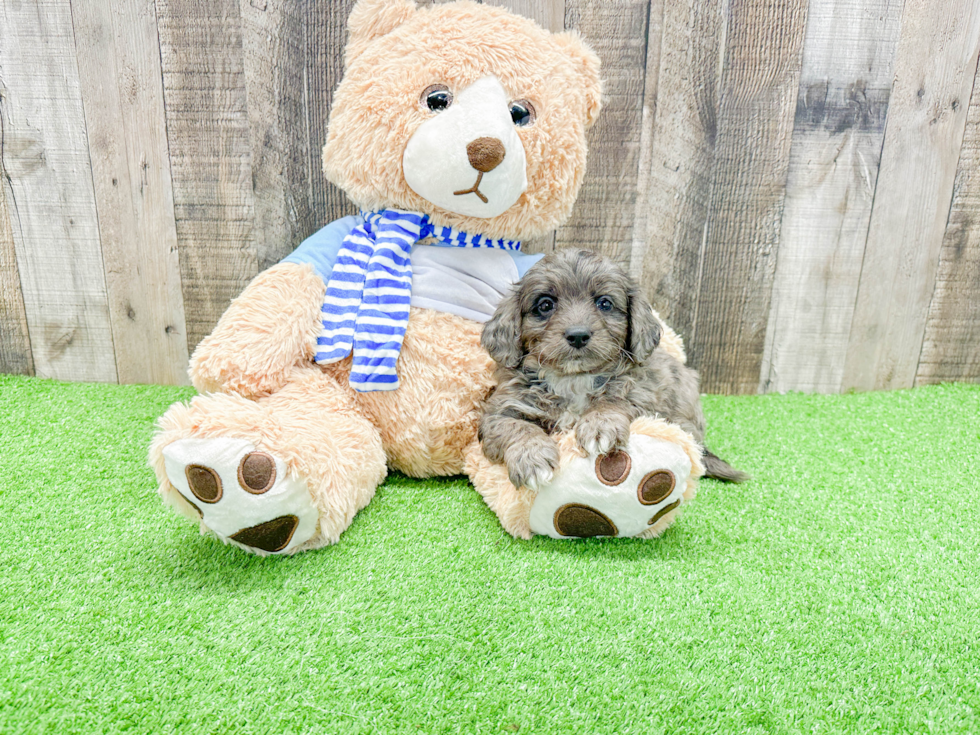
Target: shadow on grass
point(205, 564)
point(672, 545)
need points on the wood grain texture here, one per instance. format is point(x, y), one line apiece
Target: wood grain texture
point(603, 216)
point(755, 123)
point(840, 122)
point(122, 91)
point(680, 119)
point(210, 155)
point(656, 18)
point(549, 14)
point(951, 347)
point(934, 72)
point(274, 47)
point(325, 29)
point(15, 341)
point(48, 189)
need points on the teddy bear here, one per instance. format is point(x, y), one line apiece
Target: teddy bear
point(459, 129)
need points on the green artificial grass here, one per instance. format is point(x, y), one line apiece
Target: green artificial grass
point(838, 591)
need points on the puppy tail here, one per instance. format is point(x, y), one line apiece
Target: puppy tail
point(715, 466)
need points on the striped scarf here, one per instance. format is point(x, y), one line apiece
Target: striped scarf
point(370, 291)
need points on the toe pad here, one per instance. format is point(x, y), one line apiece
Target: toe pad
point(244, 495)
point(575, 519)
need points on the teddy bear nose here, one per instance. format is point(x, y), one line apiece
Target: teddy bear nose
point(485, 154)
point(578, 337)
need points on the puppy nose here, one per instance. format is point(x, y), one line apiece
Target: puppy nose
point(485, 154)
point(578, 337)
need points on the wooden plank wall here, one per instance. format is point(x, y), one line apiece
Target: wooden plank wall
point(794, 184)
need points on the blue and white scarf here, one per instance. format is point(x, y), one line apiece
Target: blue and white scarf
point(370, 292)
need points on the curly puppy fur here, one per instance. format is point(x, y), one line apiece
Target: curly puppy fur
point(576, 348)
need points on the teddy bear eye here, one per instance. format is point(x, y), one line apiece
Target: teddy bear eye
point(437, 97)
point(604, 303)
point(522, 113)
point(544, 306)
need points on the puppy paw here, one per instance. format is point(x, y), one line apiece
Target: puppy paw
point(601, 433)
point(533, 464)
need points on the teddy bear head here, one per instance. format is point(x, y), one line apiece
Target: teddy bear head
point(465, 112)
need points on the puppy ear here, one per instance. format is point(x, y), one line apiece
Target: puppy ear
point(502, 334)
point(644, 328)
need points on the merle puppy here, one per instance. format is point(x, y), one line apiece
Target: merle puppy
point(576, 348)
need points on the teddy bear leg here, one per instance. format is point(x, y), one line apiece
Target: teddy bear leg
point(279, 475)
point(511, 504)
point(637, 492)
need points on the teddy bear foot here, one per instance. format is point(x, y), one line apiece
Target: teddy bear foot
point(637, 492)
point(624, 493)
point(243, 495)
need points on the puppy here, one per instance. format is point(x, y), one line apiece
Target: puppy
point(576, 348)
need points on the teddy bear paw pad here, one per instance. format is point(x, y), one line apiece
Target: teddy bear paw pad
point(242, 494)
point(622, 493)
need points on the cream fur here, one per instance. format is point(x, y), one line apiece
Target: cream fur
point(311, 424)
point(660, 429)
point(372, 19)
point(670, 341)
point(265, 332)
point(456, 44)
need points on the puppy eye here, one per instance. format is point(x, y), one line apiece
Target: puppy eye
point(522, 113)
point(604, 303)
point(544, 306)
point(436, 97)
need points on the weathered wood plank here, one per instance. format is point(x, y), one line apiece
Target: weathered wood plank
point(656, 18)
point(122, 94)
point(15, 341)
point(840, 122)
point(934, 71)
point(325, 24)
point(603, 216)
point(49, 192)
point(549, 14)
point(755, 124)
point(274, 47)
point(951, 348)
point(210, 155)
point(680, 118)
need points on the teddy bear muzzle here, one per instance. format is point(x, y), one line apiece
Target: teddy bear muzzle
point(467, 158)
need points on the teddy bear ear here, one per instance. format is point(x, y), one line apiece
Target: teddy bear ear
point(371, 19)
point(587, 62)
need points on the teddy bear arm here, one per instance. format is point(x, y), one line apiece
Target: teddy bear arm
point(267, 330)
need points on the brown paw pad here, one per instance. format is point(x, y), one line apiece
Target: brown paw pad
point(272, 535)
point(257, 473)
point(612, 468)
point(662, 512)
point(575, 519)
point(656, 486)
point(204, 483)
